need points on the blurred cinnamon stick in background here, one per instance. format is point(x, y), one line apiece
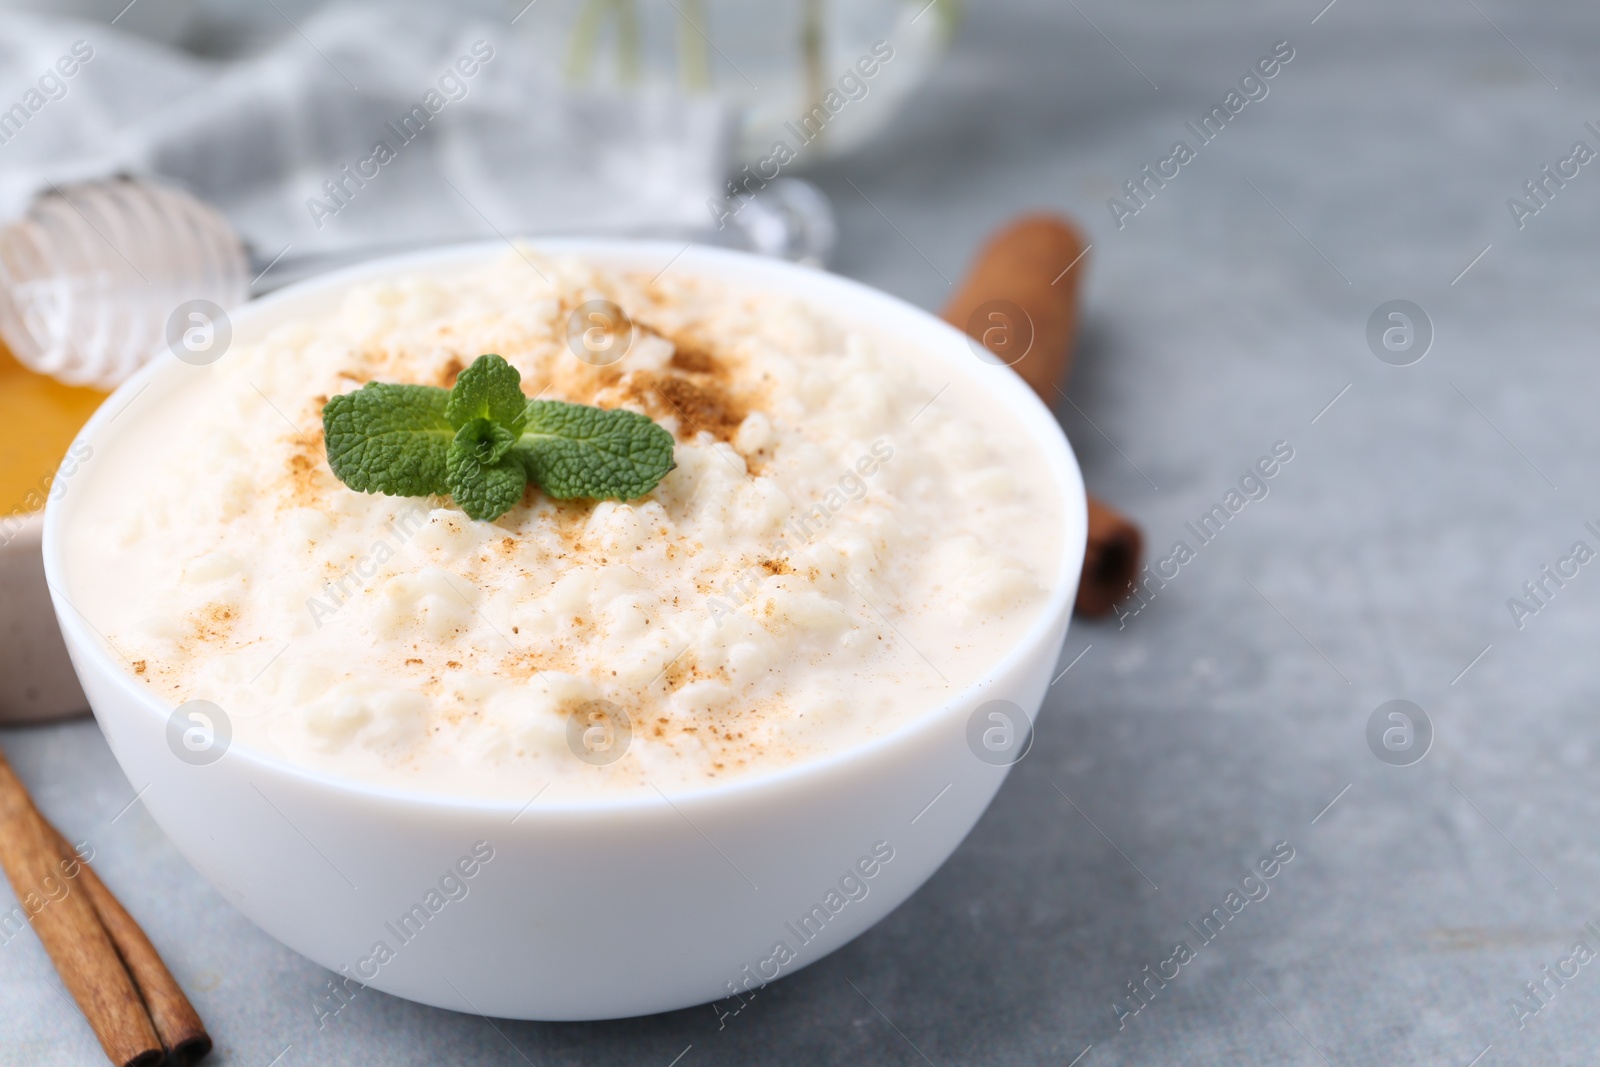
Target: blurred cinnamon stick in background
point(1020, 300)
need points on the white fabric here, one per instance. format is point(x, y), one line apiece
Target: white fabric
point(259, 136)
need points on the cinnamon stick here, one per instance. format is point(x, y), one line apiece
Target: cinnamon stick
point(69, 927)
point(1033, 264)
point(1020, 300)
point(1110, 561)
point(176, 1022)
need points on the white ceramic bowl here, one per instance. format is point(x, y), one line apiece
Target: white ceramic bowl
point(603, 908)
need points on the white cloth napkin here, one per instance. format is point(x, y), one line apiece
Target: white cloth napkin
point(478, 134)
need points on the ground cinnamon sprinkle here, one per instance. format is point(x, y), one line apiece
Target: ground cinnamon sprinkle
point(215, 622)
point(307, 472)
point(691, 356)
point(702, 406)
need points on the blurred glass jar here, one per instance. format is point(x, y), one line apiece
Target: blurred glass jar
point(820, 77)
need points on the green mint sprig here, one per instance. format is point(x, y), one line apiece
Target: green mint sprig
point(482, 441)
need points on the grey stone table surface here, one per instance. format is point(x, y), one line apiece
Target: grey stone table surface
point(1230, 713)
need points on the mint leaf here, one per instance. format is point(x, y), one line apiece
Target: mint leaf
point(572, 450)
point(392, 439)
point(483, 441)
point(485, 481)
point(489, 389)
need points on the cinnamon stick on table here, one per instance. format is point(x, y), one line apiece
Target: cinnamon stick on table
point(124, 991)
point(1020, 300)
point(177, 1024)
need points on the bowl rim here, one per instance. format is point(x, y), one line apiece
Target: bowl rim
point(756, 273)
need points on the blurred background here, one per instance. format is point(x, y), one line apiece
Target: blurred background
point(327, 133)
point(1420, 151)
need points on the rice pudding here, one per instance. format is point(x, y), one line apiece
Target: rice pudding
point(845, 542)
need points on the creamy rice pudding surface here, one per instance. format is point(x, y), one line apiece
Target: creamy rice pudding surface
point(832, 556)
